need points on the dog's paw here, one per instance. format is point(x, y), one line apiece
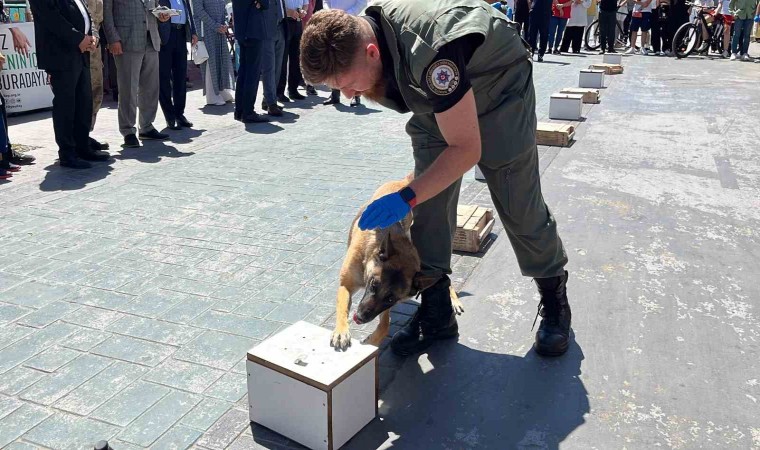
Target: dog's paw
point(341, 339)
point(458, 308)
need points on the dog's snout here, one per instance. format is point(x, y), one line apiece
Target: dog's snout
point(356, 319)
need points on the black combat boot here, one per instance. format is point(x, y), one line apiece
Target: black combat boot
point(553, 333)
point(434, 320)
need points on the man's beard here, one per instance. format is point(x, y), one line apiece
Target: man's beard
point(376, 93)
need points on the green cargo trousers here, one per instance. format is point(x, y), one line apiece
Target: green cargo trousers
point(516, 193)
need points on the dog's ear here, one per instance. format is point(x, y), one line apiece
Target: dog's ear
point(420, 282)
point(386, 247)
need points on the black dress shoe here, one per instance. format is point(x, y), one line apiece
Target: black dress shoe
point(540, 58)
point(74, 163)
point(295, 95)
point(310, 90)
point(154, 135)
point(183, 122)
point(95, 145)
point(238, 115)
point(254, 118)
point(21, 159)
point(356, 101)
point(94, 155)
point(274, 110)
point(332, 101)
point(264, 105)
point(283, 99)
point(553, 335)
point(172, 125)
point(130, 141)
point(434, 320)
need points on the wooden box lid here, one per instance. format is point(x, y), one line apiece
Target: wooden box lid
point(302, 351)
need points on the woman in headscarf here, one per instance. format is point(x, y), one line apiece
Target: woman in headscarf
point(211, 23)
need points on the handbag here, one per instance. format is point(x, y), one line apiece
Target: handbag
point(200, 54)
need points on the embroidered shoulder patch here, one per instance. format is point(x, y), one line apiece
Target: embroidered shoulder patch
point(442, 77)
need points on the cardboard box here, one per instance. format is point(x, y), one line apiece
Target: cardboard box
point(554, 134)
point(474, 223)
point(565, 106)
point(589, 95)
point(300, 387)
point(609, 69)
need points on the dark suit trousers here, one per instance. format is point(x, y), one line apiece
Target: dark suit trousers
point(72, 108)
point(248, 76)
point(539, 23)
point(574, 36)
point(172, 72)
point(292, 56)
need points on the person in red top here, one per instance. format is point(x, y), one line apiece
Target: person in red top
point(560, 15)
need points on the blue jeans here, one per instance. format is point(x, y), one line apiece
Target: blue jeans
point(742, 31)
point(556, 28)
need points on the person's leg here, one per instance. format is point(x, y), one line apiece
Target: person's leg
point(578, 39)
point(64, 86)
point(283, 78)
point(128, 80)
point(147, 100)
point(533, 31)
point(165, 82)
point(544, 31)
point(179, 73)
point(268, 71)
point(736, 41)
point(560, 33)
point(746, 35)
point(96, 80)
point(279, 54)
point(726, 38)
point(656, 36)
point(294, 74)
point(82, 112)
point(240, 84)
point(553, 26)
point(604, 30)
point(251, 49)
point(566, 39)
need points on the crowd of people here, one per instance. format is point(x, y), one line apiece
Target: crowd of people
point(252, 41)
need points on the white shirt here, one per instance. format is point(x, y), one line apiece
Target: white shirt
point(578, 14)
point(353, 7)
point(85, 16)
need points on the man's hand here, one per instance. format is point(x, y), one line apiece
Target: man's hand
point(163, 17)
point(222, 29)
point(116, 48)
point(384, 212)
point(2, 61)
point(86, 44)
point(20, 42)
point(194, 40)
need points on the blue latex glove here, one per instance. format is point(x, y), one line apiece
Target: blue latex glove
point(384, 212)
point(757, 18)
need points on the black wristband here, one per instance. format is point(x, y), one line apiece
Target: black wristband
point(409, 196)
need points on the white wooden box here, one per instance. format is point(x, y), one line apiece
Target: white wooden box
point(591, 78)
point(565, 106)
point(300, 387)
point(613, 58)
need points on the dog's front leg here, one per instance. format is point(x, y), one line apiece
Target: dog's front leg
point(376, 338)
point(341, 337)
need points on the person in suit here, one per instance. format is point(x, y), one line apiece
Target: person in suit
point(132, 32)
point(295, 11)
point(271, 55)
point(65, 37)
point(172, 62)
point(251, 32)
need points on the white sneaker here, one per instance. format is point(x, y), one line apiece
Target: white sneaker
point(661, 54)
point(726, 54)
point(734, 56)
point(745, 57)
point(631, 51)
point(644, 51)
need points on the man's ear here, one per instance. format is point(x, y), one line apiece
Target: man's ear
point(420, 282)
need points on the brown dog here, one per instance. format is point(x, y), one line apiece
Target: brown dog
point(387, 265)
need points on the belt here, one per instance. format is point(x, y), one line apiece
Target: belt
point(178, 26)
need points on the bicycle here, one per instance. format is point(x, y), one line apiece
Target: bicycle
point(593, 40)
point(689, 37)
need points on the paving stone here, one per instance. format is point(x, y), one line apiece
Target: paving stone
point(183, 375)
point(84, 399)
point(190, 286)
point(48, 314)
point(34, 294)
point(155, 330)
point(91, 317)
point(66, 431)
point(20, 421)
point(205, 414)
point(255, 308)
point(140, 284)
point(100, 298)
point(189, 309)
point(225, 430)
point(215, 349)
point(134, 350)
point(18, 379)
point(52, 388)
point(130, 403)
point(159, 418)
point(177, 438)
point(9, 313)
point(85, 339)
point(32, 344)
point(110, 278)
point(118, 444)
point(155, 302)
point(27, 265)
point(231, 387)
point(52, 359)
point(8, 405)
point(290, 312)
point(9, 280)
point(12, 333)
point(21, 446)
point(235, 324)
point(69, 272)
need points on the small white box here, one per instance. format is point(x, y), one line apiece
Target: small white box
point(591, 78)
point(613, 58)
point(565, 106)
point(300, 387)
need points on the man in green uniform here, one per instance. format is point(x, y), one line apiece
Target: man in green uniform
point(463, 71)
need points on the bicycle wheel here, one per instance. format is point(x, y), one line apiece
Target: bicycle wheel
point(592, 39)
point(686, 40)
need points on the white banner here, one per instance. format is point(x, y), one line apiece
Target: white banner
point(24, 86)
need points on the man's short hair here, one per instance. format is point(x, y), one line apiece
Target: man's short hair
point(329, 44)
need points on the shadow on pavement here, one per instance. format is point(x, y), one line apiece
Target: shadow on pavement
point(184, 136)
point(360, 110)
point(467, 398)
point(151, 152)
point(60, 178)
